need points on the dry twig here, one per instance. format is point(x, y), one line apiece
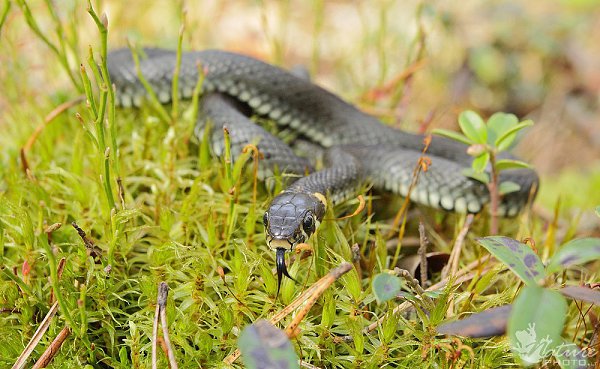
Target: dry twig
point(309, 297)
point(161, 305)
point(452, 266)
point(37, 336)
point(47, 120)
point(51, 351)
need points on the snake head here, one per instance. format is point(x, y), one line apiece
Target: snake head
point(291, 219)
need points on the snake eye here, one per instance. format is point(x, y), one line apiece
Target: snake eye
point(308, 224)
point(266, 219)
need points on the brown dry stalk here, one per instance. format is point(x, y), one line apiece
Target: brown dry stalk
point(332, 276)
point(361, 206)
point(48, 355)
point(161, 311)
point(391, 85)
point(452, 266)
point(155, 336)
point(309, 297)
point(37, 336)
point(422, 165)
point(38, 130)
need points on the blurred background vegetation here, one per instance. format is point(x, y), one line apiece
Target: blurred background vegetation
point(536, 59)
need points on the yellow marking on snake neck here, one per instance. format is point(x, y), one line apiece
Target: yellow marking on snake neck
point(280, 244)
point(321, 198)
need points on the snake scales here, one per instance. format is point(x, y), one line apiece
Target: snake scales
point(358, 148)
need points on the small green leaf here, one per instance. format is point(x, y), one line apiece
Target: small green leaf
point(598, 211)
point(577, 251)
point(517, 256)
point(481, 177)
point(499, 123)
point(508, 187)
point(536, 323)
point(503, 142)
point(480, 163)
point(386, 287)
point(351, 282)
point(452, 135)
point(473, 126)
point(265, 346)
point(504, 164)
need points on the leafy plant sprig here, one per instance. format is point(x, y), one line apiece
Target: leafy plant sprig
point(539, 313)
point(486, 140)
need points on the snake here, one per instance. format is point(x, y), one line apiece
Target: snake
point(356, 148)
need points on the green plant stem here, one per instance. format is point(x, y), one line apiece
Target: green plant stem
point(87, 86)
point(18, 281)
point(102, 24)
point(62, 58)
point(99, 122)
point(229, 184)
point(175, 82)
point(494, 196)
point(4, 14)
point(193, 116)
point(107, 184)
point(153, 99)
point(82, 311)
point(54, 281)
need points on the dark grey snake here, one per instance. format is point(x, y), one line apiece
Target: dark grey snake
point(358, 148)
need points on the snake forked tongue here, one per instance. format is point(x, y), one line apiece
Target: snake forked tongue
point(281, 267)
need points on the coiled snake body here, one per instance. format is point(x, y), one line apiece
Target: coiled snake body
point(358, 148)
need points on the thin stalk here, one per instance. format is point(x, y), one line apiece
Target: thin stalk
point(15, 278)
point(229, 182)
point(113, 242)
point(422, 165)
point(82, 311)
point(99, 122)
point(153, 99)
point(251, 218)
point(87, 87)
point(107, 185)
point(175, 82)
point(494, 196)
point(197, 93)
point(102, 24)
point(36, 29)
point(204, 150)
point(54, 281)
point(53, 349)
point(37, 336)
point(94, 66)
point(4, 14)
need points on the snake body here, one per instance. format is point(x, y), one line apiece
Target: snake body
point(358, 147)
